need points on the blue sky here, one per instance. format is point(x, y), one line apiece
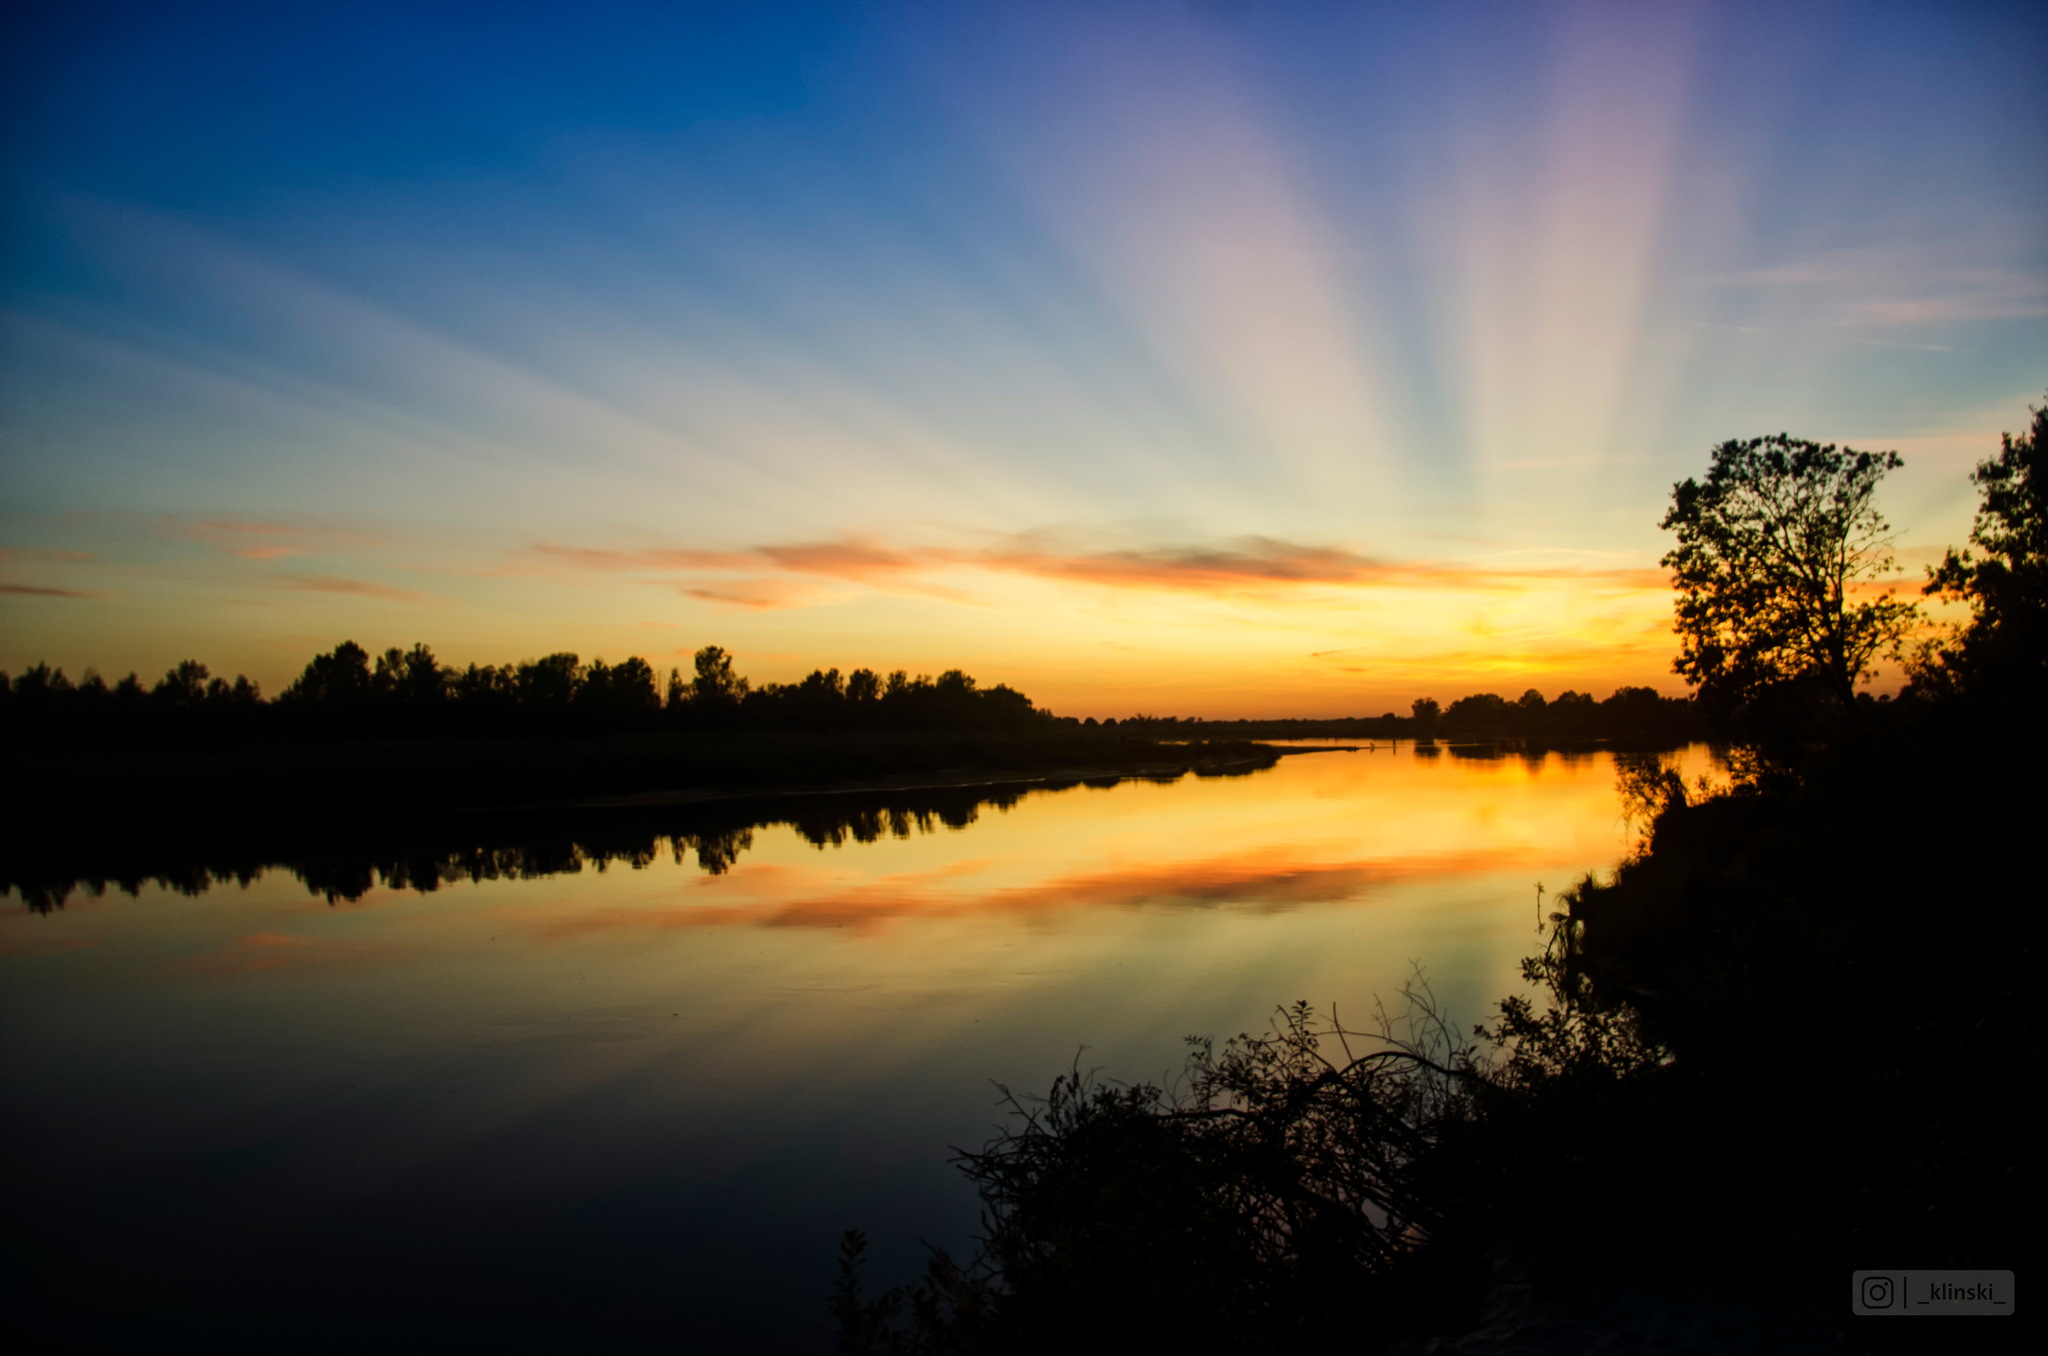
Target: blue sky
point(1222, 358)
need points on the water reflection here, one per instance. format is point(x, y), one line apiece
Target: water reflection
point(348, 862)
point(612, 1078)
point(347, 866)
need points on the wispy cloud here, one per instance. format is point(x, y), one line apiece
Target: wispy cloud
point(587, 558)
point(1252, 565)
point(37, 591)
point(261, 540)
point(362, 588)
point(762, 595)
point(1249, 562)
point(1893, 288)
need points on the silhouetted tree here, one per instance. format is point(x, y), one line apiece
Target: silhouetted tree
point(548, 684)
point(340, 677)
point(2005, 644)
point(1770, 549)
point(716, 685)
point(1481, 708)
point(183, 687)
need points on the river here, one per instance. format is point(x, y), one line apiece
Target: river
point(636, 1105)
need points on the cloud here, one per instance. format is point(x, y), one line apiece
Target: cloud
point(763, 595)
point(34, 591)
point(1249, 562)
point(257, 540)
point(1888, 287)
point(1241, 565)
point(657, 559)
point(361, 588)
point(841, 559)
point(2024, 299)
point(43, 555)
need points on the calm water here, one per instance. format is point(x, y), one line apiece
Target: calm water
point(639, 1105)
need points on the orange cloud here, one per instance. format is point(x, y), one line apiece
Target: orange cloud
point(1243, 565)
point(1251, 561)
point(761, 595)
point(654, 559)
point(843, 559)
point(362, 588)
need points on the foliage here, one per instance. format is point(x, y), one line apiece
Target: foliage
point(1290, 1190)
point(347, 693)
point(1284, 1191)
point(1627, 712)
point(1772, 550)
point(2004, 647)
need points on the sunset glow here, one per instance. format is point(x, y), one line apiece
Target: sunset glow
point(1188, 358)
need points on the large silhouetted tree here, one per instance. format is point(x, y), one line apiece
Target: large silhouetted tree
point(1774, 548)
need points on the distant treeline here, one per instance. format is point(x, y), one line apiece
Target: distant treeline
point(1483, 715)
point(347, 693)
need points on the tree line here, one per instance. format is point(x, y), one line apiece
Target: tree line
point(346, 693)
point(1569, 716)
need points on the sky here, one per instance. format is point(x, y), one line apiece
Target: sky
point(1197, 358)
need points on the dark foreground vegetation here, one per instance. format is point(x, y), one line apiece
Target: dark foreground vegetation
point(1793, 1033)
